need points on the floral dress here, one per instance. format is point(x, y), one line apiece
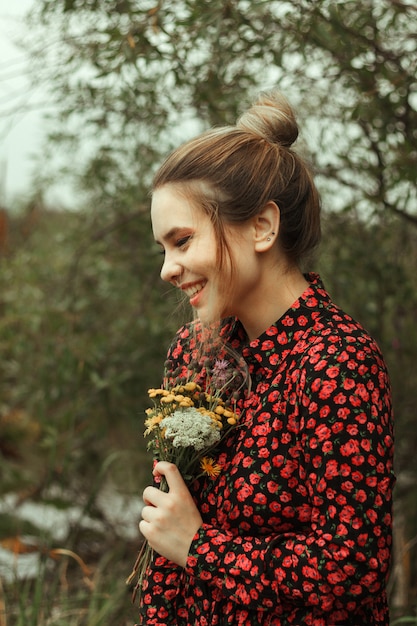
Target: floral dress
point(297, 527)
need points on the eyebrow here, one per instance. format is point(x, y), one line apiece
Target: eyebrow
point(171, 234)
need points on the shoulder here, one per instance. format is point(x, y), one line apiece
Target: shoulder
point(343, 365)
point(337, 336)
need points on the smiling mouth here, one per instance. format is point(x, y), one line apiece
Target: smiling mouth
point(192, 290)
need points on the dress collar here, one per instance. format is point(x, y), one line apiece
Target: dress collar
point(286, 331)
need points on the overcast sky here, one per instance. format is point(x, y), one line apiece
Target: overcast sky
point(21, 131)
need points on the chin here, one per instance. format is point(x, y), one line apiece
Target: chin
point(210, 316)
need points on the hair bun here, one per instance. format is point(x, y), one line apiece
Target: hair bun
point(272, 118)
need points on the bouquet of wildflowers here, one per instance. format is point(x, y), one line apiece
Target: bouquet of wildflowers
point(185, 424)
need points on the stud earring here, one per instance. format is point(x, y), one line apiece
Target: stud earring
point(268, 238)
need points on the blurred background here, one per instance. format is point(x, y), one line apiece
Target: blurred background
point(93, 94)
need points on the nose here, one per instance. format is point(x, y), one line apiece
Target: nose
point(171, 269)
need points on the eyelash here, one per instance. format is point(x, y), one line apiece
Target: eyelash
point(182, 242)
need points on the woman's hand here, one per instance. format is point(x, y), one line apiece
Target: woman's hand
point(170, 519)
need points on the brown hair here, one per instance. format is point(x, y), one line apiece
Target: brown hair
point(234, 171)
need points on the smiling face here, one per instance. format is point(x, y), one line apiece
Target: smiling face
point(191, 263)
point(237, 274)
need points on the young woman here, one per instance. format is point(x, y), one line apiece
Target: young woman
point(296, 529)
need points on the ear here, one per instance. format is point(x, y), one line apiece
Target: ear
point(266, 227)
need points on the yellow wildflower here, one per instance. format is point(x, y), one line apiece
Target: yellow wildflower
point(186, 402)
point(168, 398)
point(153, 393)
point(152, 422)
point(190, 386)
point(210, 467)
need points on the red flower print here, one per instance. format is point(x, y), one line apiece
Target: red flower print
point(327, 447)
point(332, 468)
point(272, 486)
point(247, 511)
point(322, 432)
point(315, 385)
point(244, 492)
point(273, 359)
point(332, 372)
point(244, 563)
point(247, 461)
point(271, 331)
point(349, 448)
point(336, 577)
point(310, 572)
point(301, 513)
point(262, 387)
point(266, 467)
point(282, 338)
point(285, 496)
point(327, 389)
point(273, 396)
point(347, 485)
point(371, 514)
point(260, 498)
point(343, 357)
point(254, 479)
point(304, 513)
point(275, 506)
point(340, 398)
point(325, 411)
point(352, 429)
point(345, 469)
point(347, 513)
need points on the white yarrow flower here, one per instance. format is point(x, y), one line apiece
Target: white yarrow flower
point(190, 428)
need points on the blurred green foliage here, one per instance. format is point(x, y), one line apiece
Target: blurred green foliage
point(81, 339)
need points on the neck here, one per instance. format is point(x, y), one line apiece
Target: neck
point(274, 296)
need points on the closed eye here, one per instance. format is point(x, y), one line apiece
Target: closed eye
point(182, 242)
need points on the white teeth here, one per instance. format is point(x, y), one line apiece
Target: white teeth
point(191, 291)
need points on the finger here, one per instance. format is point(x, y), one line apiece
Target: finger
point(146, 523)
point(172, 475)
point(151, 495)
point(147, 513)
point(144, 528)
point(162, 467)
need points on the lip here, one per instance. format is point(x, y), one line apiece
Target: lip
point(193, 290)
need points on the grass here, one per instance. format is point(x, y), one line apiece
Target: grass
point(69, 592)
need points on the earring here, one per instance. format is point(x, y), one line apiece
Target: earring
point(268, 238)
